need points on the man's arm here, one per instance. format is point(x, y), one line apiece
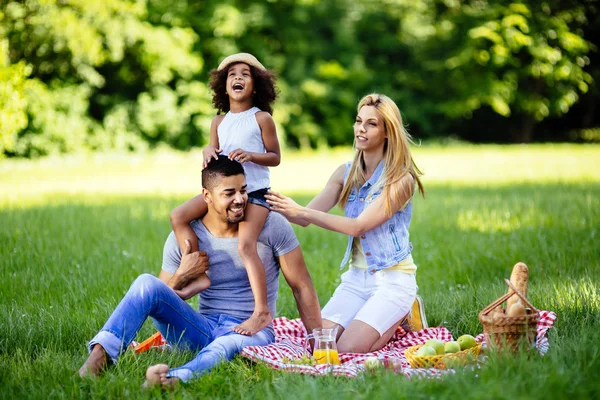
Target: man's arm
point(297, 276)
point(191, 266)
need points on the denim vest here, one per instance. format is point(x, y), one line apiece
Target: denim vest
point(387, 244)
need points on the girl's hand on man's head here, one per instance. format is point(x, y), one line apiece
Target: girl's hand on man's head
point(240, 155)
point(208, 154)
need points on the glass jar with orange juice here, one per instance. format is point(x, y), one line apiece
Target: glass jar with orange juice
point(325, 350)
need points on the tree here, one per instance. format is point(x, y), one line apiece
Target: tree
point(97, 75)
point(524, 60)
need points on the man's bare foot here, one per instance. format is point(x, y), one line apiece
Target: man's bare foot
point(257, 321)
point(157, 375)
point(95, 363)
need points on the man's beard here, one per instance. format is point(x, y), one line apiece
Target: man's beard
point(232, 221)
point(235, 220)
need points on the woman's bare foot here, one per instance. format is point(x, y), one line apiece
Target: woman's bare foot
point(95, 363)
point(257, 321)
point(157, 375)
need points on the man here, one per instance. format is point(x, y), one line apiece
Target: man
point(227, 302)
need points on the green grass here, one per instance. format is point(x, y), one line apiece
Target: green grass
point(75, 232)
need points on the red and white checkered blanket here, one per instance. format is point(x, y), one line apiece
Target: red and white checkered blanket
point(290, 344)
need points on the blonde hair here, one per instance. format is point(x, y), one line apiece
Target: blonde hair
point(397, 160)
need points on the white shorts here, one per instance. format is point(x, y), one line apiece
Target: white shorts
point(379, 300)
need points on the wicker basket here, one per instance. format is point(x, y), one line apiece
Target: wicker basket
point(441, 361)
point(508, 333)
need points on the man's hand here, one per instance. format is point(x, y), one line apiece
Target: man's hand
point(191, 267)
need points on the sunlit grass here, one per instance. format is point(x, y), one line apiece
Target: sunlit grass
point(75, 232)
point(160, 173)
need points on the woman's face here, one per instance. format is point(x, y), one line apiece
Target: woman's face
point(240, 84)
point(369, 130)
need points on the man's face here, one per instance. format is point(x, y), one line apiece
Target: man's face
point(228, 198)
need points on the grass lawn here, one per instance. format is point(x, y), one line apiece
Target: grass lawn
point(76, 231)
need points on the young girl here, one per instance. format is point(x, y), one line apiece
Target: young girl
point(245, 90)
point(375, 190)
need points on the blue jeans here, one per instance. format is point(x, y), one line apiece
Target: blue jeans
point(180, 325)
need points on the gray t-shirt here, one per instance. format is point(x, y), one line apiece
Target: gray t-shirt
point(230, 292)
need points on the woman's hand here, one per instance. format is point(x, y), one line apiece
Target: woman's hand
point(284, 205)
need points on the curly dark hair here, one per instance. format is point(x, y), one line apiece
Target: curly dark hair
point(264, 85)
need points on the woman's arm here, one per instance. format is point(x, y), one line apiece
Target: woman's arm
point(272, 157)
point(327, 198)
point(373, 216)
point(181, 217)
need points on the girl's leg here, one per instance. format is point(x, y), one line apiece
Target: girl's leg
point(180, 221)
point(250, 229)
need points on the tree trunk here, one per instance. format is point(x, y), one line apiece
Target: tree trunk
point(523, 132)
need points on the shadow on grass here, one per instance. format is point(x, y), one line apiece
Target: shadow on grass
point(66, 264)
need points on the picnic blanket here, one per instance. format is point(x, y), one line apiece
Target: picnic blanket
point(290, 344)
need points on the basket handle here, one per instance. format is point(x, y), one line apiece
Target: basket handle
point(523, 298)
point(496, 303)
point(502, 299)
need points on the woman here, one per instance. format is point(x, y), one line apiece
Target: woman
point(375, 190)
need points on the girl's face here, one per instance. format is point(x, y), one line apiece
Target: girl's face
point(369, 129)
point(239, 85)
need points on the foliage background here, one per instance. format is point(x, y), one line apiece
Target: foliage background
point(125, 74)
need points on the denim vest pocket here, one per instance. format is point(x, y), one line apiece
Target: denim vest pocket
point(373, 196)
point(392, 229)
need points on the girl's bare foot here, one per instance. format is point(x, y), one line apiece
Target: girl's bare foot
point(257, 321)
point(95, 363)
point(157, 375)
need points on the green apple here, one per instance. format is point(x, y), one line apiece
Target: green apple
point(453, 363)
point(426, 351)
point(437, 345)
point(451, 347)
point(372, 363)
point(466, 342)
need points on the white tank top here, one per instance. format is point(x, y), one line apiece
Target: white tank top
point(241, 131)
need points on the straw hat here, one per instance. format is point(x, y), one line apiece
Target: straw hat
point(245, 58)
